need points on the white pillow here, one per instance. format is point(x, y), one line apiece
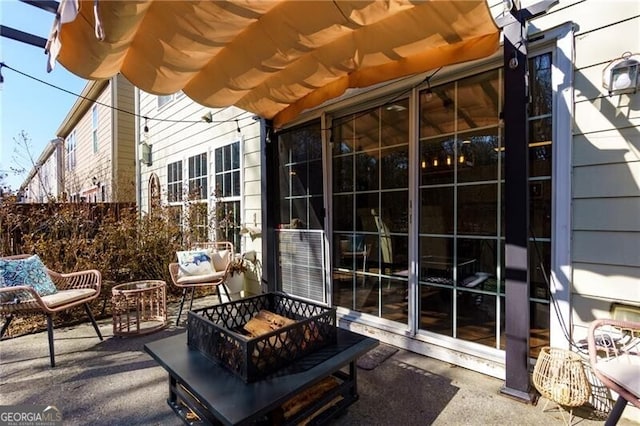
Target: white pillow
point(220, 259)
point(194, 263)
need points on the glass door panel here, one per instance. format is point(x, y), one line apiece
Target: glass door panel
point(371, 196)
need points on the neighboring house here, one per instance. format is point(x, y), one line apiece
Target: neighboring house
point(99, 145)
point(204, 163)
point(45, 180)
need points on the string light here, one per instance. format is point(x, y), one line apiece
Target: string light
point(146, 127)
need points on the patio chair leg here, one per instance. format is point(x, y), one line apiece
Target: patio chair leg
point(226, 292)
point(193, 293)
point(616, 412)
point(50, 333)
point(5, 326)
point(93, 320)
point(184, 294)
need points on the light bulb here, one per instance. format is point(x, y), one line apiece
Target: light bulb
point(621, 81)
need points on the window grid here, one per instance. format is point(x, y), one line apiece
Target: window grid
point(227, 192)
point(198, 177)
point(71, 151)
point(227, 170)
point(94, 133)
point(174, 182)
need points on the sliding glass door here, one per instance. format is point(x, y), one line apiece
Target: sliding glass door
point(370, 154)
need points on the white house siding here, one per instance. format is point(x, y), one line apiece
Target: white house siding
point(177, 132)
point(606, 163)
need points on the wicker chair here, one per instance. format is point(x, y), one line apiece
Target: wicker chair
point(191, 285)
point(614, 354)
point(73, 289)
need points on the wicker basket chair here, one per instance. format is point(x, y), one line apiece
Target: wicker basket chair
point(73, 289)
point(616, 361)
point(190, 284)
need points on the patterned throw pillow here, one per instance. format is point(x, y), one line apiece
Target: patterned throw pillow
point(194, 263)
point(29, 271)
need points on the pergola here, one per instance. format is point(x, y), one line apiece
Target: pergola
point(277, 58)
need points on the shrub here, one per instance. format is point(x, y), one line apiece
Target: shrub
point(111, 238)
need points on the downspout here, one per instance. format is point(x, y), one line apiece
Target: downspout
point(136, 126)
point(115, 140)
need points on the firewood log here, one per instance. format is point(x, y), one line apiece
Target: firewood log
point(308, 396)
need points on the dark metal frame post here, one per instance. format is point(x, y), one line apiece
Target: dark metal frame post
point(516, 99)
point(516, 212)
point(268, 171)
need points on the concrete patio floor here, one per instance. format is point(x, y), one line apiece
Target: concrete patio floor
point(115, 382)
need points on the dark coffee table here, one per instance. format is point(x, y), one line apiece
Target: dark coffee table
point(200, 385)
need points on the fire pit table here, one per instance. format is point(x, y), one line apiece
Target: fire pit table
point(203, 391)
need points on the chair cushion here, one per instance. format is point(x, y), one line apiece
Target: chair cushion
point(194, 263)
point(64, 297)
point(195, 279)
point(624, 370)
point(28, 271)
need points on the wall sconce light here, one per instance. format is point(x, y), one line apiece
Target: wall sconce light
point(95, 181)
point(621, 75)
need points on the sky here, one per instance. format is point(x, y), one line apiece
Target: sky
point(26, 104)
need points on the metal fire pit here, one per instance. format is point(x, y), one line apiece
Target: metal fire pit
point(217, 332)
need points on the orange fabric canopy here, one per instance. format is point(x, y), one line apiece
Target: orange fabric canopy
point(274, 58)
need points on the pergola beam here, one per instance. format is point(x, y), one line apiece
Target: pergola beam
point(47, 5)
point(18, 35)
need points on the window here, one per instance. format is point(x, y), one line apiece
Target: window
point(227, 192)
point(94, 122)
point(174, 182)
point(228, 218)
point(165, 99)
point(371, 209)
point(300, 157)
point(461, 220)
point(71, 151)
point(228, 170)
point(198, 177)
point(198, 229)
